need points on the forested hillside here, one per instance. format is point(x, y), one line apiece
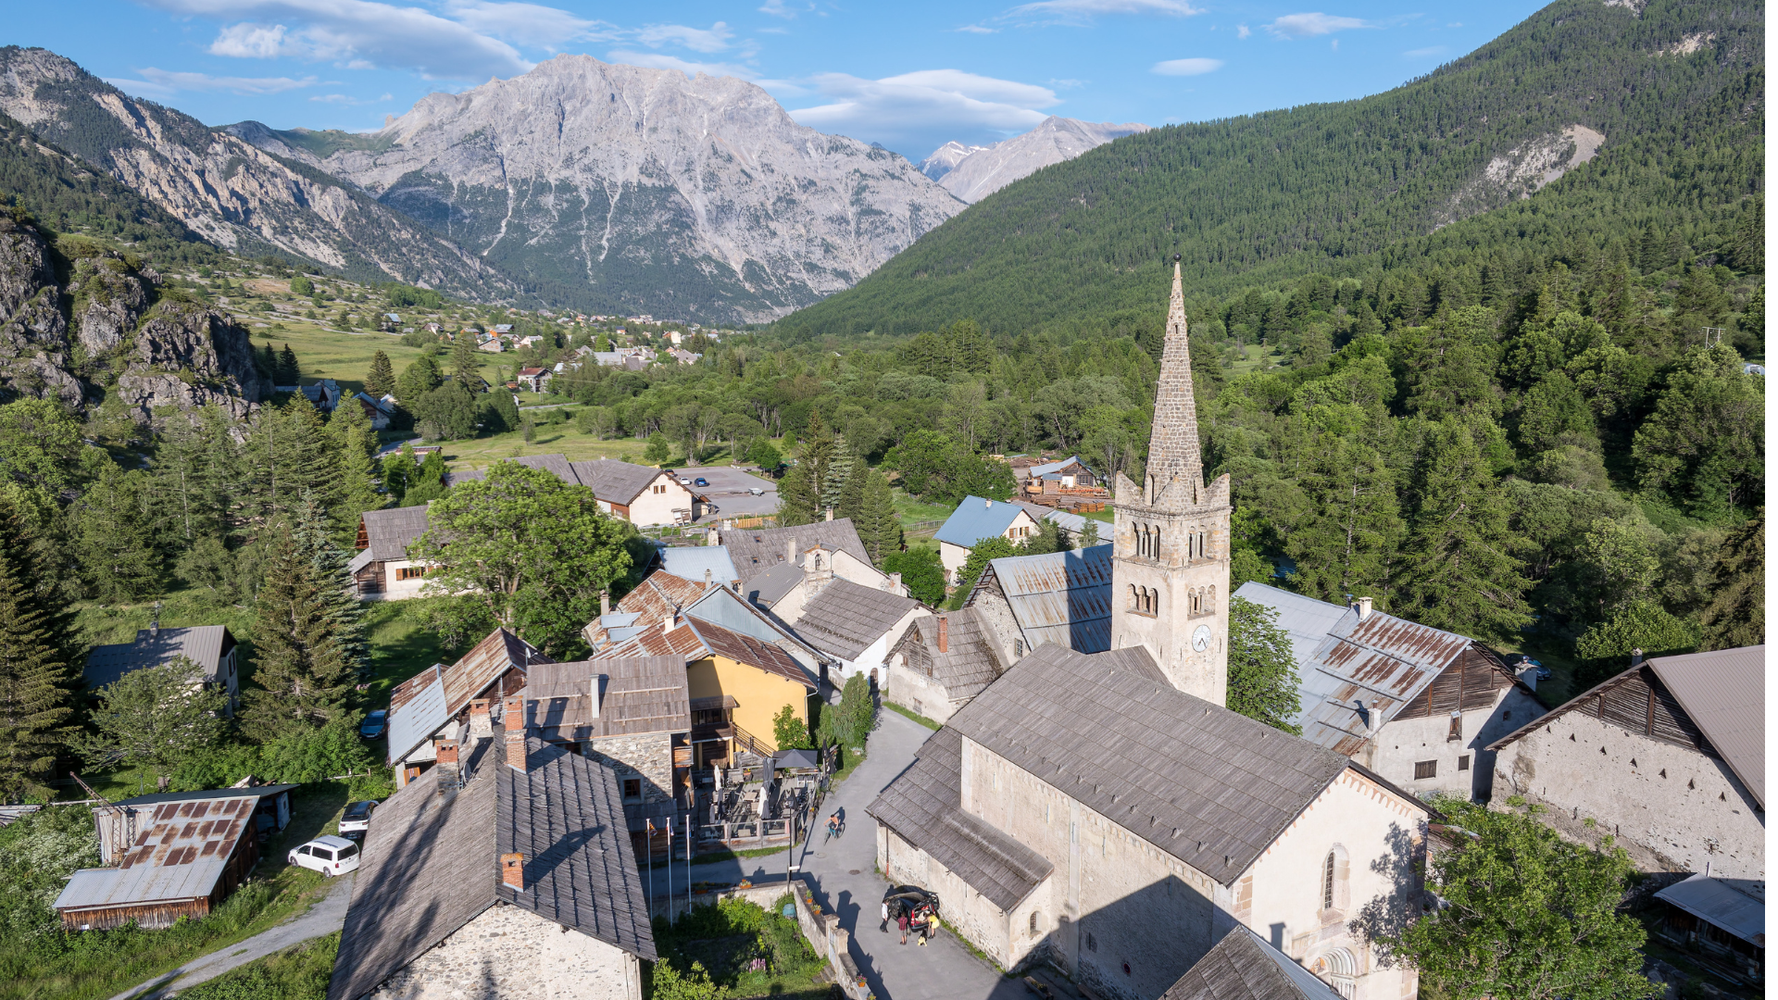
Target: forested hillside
point(1363, 186)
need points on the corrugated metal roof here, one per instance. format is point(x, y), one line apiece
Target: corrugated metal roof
point(1074, 524)
point(690, 561)
point(390, 532)
point(1737, 905)
point(202, 644)
point(977, 518)
point(1724, 692)
point(1364, 672)
point(426, 701)
point(1061, 597)
point(1048, 467)
point(658, 595)
point(154, 798)
point(421, 715)
point(1243, 966)
point(181, 851)
point(1305, 619)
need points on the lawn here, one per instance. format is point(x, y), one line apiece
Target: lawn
point(912, 511)
point(1255, 358)
point(323, 352)
point(749, 951)
point(910, 713)
point(298, 973)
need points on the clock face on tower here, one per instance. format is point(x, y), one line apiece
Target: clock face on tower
point(1201, 638)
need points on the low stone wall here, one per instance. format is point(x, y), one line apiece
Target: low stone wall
point(822, 930)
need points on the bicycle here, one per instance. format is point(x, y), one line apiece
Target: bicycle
point(834, 832)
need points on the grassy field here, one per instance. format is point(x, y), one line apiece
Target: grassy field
point(336, 354)
point(298, 973)
point(1255, 358)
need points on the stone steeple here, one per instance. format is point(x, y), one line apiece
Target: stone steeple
point(1173, 451)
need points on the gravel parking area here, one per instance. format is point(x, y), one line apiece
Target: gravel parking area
point(728, 491)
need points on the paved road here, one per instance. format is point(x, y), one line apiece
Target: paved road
point(328, 914)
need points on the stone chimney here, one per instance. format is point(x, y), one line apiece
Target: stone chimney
point(449, 770)
point(1362, 605)
point(604, 603)
point(790, 550)
point(515, 750)
point(1635, 658)
point(512, 871)
point(944, 634)
point(514, 709)
point(829, 513)
point(481, 719)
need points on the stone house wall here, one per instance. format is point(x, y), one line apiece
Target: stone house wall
point(648, 756)
point(969, 912)
point(1670, 807)
point(1402, 743)
point(508, 953)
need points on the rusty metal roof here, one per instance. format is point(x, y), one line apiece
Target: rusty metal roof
point(181, 851)
point(659, 594)
point(1364, 672)
point(1061, 597)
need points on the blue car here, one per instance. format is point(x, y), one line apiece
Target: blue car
point(700, 481)
point(374, 724)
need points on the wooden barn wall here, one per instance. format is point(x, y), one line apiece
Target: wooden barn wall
point(1472, 682)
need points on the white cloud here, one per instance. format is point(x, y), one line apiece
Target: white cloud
point(1305, 25)
point(976, 29)
point(1088, 8)
point(712, 39)
point(362, 33)
point(527, 23)
point(163, 83)
point(350, 101)
point(924, 103)
point(1186, 67)
point(660, 60)
point(776, 8)
point(1425, 53)
point(1242, 31)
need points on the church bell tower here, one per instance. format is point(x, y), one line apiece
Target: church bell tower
point(1170, 561)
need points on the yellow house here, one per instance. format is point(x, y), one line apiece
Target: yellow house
point(738, 685)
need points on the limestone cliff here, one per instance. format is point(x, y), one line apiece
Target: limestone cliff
point(975, 172)
point(638, 190)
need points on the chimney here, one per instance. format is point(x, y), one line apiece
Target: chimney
point(449, 771)
point(830, 513)
point(1635, 657)
point(707, 576)
point(481, 720)
point(944, 634)
point(1362, 605)
point(515, 750)
point(512, 871)
point(790, 550)
point(895, 582)
point(514, 717)
point(987, 504)
point(604, 603)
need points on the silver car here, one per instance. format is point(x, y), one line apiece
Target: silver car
point(356, 819)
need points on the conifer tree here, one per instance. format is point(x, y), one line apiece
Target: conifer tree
point(843, 487)
point(1346, 541)
point(466, 361)
point(879, 527)
point(289, 452)
point(116, 538)
point(381, 378)
point(309, 641)
point(355, 444)
point(799, 499)
point(289, 372)
point(1736, 615)
point(36, 703)
point(1458, 568)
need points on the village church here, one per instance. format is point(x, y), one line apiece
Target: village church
point(1107, 813)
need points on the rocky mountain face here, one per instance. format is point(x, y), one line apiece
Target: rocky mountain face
point(975, 172)
point(233, 193)
point(619, 188)
point(102, 331)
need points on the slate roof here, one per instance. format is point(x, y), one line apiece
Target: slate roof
point(1724, 692)
point(1209, 786)
point(390, 532)
point(637, 694)
point(182, 849)
point(1061, 597)
point(922, 805)
point(969, 662)
point(846, 618)
point(1243, 966)
point(977, 518)
point(432, 861)
point(202, 644)
point(755, 550)
point(769, 588)
point(613, 481)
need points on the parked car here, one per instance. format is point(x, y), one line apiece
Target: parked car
point(700, 481)
point(328, 855)
point(684, 481)
point(756, 491)
point(374, 724)
point(356, 819)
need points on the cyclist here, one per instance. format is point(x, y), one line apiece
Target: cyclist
point(833, 826)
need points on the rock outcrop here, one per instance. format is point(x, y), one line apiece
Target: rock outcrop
point(188, 356)
point(227, 190)
point(639, 190)
point(34, 346)
point(975, 172)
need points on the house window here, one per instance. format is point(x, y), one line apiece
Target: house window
point(1463, 763)
point(1033, 921)
point(1092, 942)
point(1425, 769)
point(632, 789)
point(1327, 882)
point(410, 572)
point(1456, 732)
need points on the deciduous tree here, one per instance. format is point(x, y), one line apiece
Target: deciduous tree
point(1262, 670)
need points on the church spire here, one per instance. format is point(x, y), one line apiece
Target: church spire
point(1173, 443)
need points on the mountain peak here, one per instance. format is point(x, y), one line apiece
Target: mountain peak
point(974, 172)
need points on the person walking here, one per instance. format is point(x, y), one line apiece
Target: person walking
point(901, 921)
point(885, 925)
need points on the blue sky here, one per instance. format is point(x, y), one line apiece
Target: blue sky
point(910, 74)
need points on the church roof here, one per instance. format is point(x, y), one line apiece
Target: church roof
point(1059, 597)
point(1243, 966)
point(1209, 786)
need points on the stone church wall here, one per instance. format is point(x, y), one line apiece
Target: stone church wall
point(508, 953)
